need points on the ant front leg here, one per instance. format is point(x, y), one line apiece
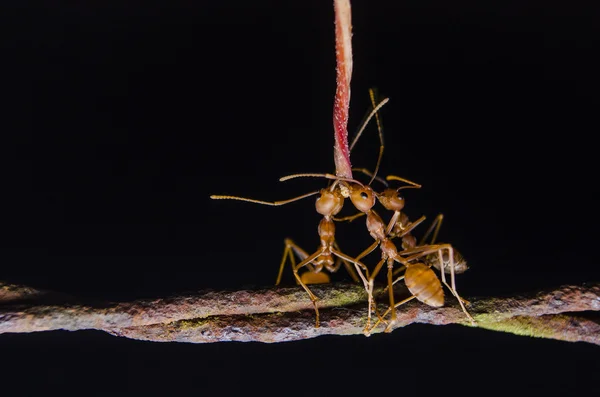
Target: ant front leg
point(349, 218)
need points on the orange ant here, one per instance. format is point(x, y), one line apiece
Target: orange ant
point(363, 198)
point(328, 204)
point(400, 227)
point(421, 281)
point(380, 232)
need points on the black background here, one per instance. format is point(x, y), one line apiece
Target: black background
point(122, 119)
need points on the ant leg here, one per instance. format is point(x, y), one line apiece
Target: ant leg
point(380, 320)
point(398, 271)
point(436, 224)
point(313, 299)
point(349, 218)
point(396, 280)
point(390, 288)
point(409, 228)
point(453, 288)
point(288, 252)
point(336, 265)
point(312, 296)
point(367, 251)
point(372, 302)
point(405, 300)
point(346, 263)
point(388, 328)
point(357, 264)
point(388, 311)
point(390, 266)
point(368, 283)
point(392, 223)
point(421, 251)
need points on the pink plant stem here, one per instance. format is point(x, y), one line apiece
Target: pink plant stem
point(341, 104)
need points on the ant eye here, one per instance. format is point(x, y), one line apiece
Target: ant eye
point(363, 198)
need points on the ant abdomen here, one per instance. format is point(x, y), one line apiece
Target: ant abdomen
point(423, 283)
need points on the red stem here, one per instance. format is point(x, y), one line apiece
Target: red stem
point(343, 52)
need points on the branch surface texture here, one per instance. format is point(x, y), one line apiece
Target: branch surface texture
point(568, 313)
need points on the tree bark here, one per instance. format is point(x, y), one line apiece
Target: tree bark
point(286, 314)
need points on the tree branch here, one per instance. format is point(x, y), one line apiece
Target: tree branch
point(286, 314)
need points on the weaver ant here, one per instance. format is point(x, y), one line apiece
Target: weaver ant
point(421, 281)
point(329, 203)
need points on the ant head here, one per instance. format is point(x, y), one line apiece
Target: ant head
point(460, 264)
point(362, 197)
point(391, 200)
point(408, 242)
point(329, 202)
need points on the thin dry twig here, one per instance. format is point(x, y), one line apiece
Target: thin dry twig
point(285, 314)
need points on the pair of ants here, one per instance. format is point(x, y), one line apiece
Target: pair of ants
point(415, 260)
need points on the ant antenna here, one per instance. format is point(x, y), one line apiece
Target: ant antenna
point(364, 125)
point(413, 185)
point(374, 112)
point(372, 95)
point(370, 174)
point(271, 203)
point(307, 175)
point(327, 176)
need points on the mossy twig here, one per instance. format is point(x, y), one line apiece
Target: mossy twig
point(285, 314)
